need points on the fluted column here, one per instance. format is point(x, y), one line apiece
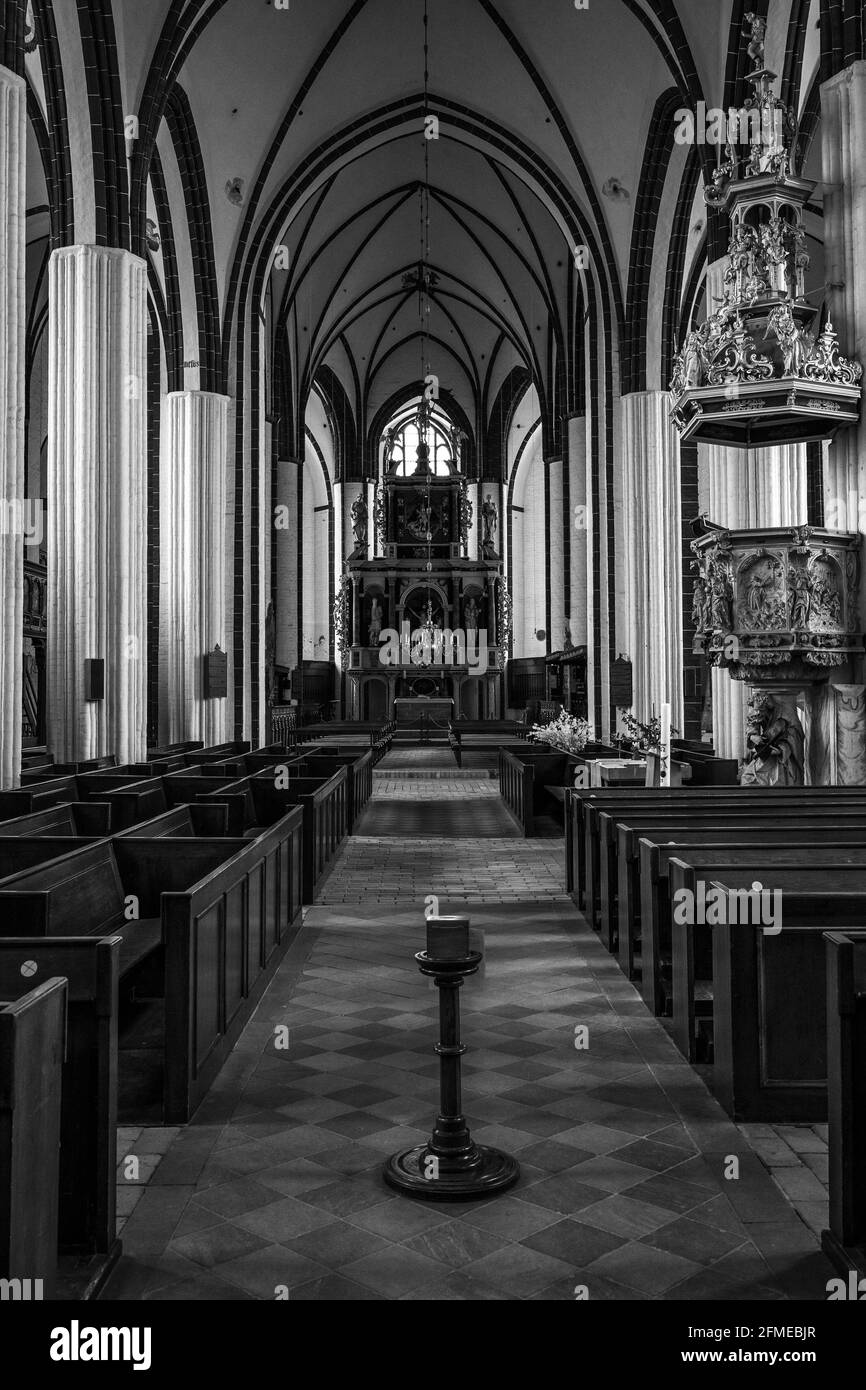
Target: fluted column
point(843, 133)
point(193, 551)
point(652, 570)
point(97, 520)
point(556, 554)
point(13, 310)
point(580, 575)
point(286, 545)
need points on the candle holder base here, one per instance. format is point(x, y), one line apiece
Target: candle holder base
point(483, 1172)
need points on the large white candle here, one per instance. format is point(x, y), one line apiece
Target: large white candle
point(665, 747)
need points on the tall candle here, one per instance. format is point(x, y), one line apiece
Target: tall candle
point(665, 747)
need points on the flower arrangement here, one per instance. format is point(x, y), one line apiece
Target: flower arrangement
point(642, 737)
point(566, 731)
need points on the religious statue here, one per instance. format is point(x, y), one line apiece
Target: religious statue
point(359, 523)
point(699, 603)
point(490, 515)
point(375, 623)
point(775, 251)
point(775, 745)
point(390, 445)
point(720, 599)
point(799, 598)
point(756, 33)
point(795, 343)
point(470, 610)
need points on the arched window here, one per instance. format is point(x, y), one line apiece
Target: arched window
point(400, 440)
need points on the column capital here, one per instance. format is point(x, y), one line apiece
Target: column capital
point(194, 394)
point(10, 79)
point(88, 251)
point(846, 77)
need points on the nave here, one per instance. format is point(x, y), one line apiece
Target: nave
point(274, 1188)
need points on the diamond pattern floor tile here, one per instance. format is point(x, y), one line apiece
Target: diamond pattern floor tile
point(285, 1192)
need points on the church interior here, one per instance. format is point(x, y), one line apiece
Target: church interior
point(432, 491)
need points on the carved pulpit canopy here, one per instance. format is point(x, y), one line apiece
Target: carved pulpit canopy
point(777, 603)
point(757, 371)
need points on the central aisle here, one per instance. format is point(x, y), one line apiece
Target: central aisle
point(275, 1191)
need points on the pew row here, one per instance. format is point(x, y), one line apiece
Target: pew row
point(214, 917)
point(66, 818)
point(844, 1241)
point(32, 1035)
point(257, 802)
point(649, 810)
point(652, 942)
point(762, 992)
point(88, 1119)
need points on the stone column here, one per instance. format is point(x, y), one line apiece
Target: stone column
point(555, 550)
point(580, 575)
point(193, 551)
point(286, 543)
point(652, 571)
point(843, 133)
point(13, 316)
point(97, 514)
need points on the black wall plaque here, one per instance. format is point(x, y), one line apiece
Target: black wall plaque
point(621, 694)
point(94, 679)
point(216, 675)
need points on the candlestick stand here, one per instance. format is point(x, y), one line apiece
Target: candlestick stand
point(451, 1167)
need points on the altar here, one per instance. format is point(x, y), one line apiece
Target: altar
point(410, 710)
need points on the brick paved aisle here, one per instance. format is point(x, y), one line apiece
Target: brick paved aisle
point(275, 1190)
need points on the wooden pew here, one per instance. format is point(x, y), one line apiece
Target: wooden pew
point(718, 844)
point(525, 777)
point(324, 801)
point(67, 818)
point(618, 891)
point(215, 752)
point(581, 800)
point(215, 915)
point(88, 1117)
point(844, 1242)
point(32, 1036)
point(245, 764)
point(18, 852)
point(23, 801)
point(346, 734)
point(200, 819)
point(103, 764)
point(703, 806)
point(171, 748)
point(616, 896)
point(359, 775)
point(766, 994)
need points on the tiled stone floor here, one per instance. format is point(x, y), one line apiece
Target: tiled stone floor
point(797, 1158)
point(275, 1189)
